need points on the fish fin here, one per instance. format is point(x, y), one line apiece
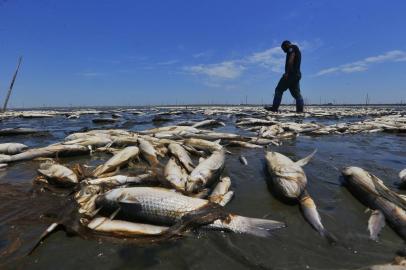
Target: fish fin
point(217, 141)
point(302, 162)
point(48, 231)
point(376, 223)
point(256, 226)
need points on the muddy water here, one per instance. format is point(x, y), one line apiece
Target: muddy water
point(25, 212)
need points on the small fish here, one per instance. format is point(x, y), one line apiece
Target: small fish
point(119, 159)
point(243, 160)
point(148, 152)
point(180, 153)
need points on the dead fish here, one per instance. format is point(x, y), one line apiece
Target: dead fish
point(402, 176)
point(161, 206)
point(221, 194)
point(375, 224)
point(290, 181)
point(204, 144)
point(243, 160)
point(124, 228)
point(206, 172)
point(148, 152)
point(244, 144)
point(3, 166)
point(372, 192)
point(49, 151)
point(209, 122)
point(12, 148)
point(58, 173)
point(117, 160)
point(180, 153)
point(175, 174)
point(119, 180)
point(211, 136)
point(95, 141)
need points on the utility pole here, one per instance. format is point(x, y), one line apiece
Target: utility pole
point(12, 83)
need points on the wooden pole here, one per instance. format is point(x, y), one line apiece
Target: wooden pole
point(12, 83)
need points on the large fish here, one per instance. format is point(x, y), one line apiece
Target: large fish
point(206, 172)
point(49, 151)
point(290, 181)
point(385, 203)
point(12, 148)
point(117, 160)
point(180, 153)
point(161, 206)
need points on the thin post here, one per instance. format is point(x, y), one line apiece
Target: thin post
point(12, 83)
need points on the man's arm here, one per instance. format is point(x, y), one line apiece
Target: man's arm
point(290, 61)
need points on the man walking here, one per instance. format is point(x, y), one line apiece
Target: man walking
point(290, 79)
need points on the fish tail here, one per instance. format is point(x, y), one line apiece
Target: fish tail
point(253, 226)
point(48, 231)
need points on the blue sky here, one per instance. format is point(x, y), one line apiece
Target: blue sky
point(166, 52)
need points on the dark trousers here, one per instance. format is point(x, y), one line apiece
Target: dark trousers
point(292, 83)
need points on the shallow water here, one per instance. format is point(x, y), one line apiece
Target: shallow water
point(24, 213)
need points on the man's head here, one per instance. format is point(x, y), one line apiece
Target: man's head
point(285, 45)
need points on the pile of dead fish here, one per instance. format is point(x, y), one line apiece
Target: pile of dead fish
point(161, 181)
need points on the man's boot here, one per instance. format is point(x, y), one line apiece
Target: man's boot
point(299, 105)
point(275, 105)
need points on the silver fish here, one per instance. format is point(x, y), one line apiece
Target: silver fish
point(221, 193)
point(290, 181)
point(118, 180)
point(204, 144)
point(371, 191)
point(206, 172)
point(58, 173)
point(12, 148)
point(161, 206)
point(175, 174)
point(180, 153)
point(124, 228)
point(117, 160)
point(148, 152)
point(49, 151)
point(243, 160)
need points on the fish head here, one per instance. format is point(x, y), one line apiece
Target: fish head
point(194, 183)
point(86, 198)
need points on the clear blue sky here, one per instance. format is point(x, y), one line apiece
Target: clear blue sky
point(160, 52)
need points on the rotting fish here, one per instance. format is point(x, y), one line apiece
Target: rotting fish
point(148, 152)
point(175, 174)
point(161, 206)
point(124, 228)
point(209, 122)
point(119, 180)
point(180, 153)
point(244, 144)
point(206, 172)
point(96, 141)
point(58, 173)
point(290, 181)
point(117, 160)
point(372, 192)
point(204, 144)
point(49, 151)
point(12, 148)
point(221, 194)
